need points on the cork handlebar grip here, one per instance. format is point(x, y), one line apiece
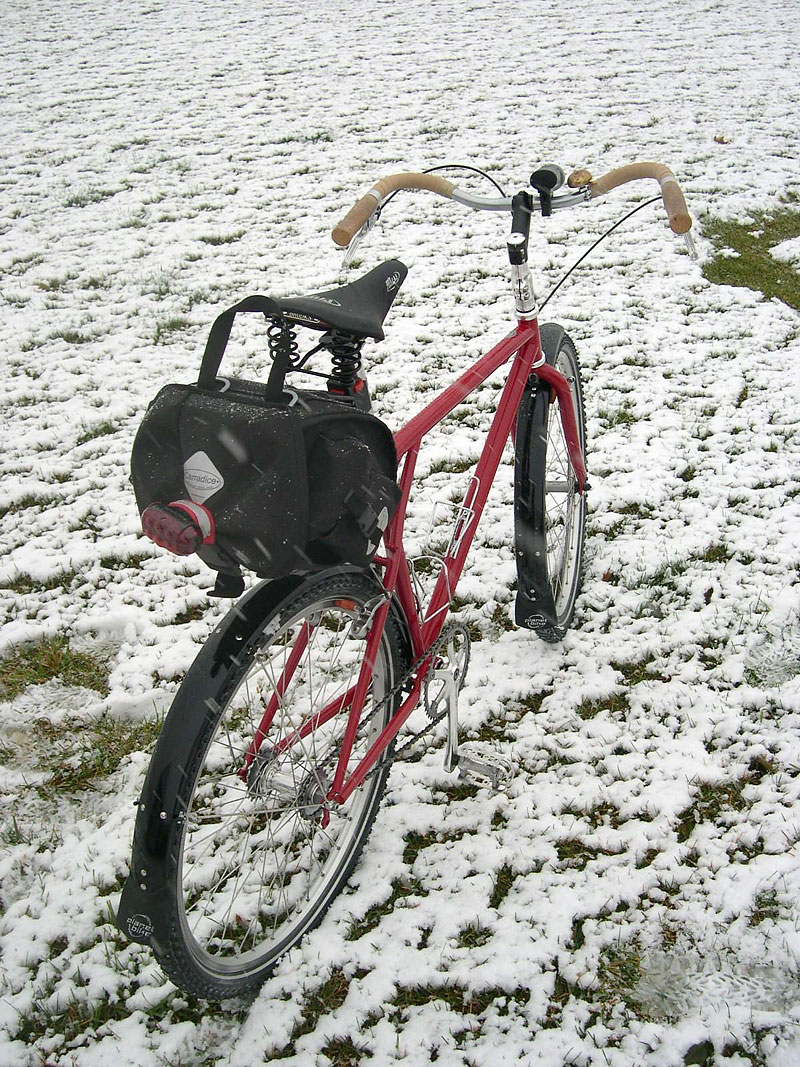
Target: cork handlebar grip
point(680, 220)
point(364, 209)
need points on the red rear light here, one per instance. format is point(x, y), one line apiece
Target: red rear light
point(172, 529)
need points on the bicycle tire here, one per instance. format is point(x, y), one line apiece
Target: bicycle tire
point(256, 865)
point(554, 520)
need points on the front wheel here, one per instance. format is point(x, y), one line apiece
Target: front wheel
point(550, 513)
point(261, 854)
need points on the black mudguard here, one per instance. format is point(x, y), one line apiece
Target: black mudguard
point(146, 907)
point(531, 611)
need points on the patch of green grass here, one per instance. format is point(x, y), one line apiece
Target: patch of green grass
point(766, 906)
point(621, 416)
point(501, 619)
point(619, 971)
point(708, 804)
point(638, 671)
point(473, 935)
point(307, 137)
point(343, 1052)
point(646, 859)
point(137, 142)
point(24, 584)
point(415, 843)
point(54, 285)
point(85, 197)
point(79, 1018)
point(664, 576)
point(371, 920)
point(603, 814)
point(324, 1000)
point(502, 886)
point(95, 282)
point(452, 466)
point(78, 753)
point(72, 337)
point(30, 500)
point(21, 264)
point(458, 791)
point(716, 554)
point(101, 430)
point(575, 854)
point(222, 238)
point(458, 998)
point(166, 327)
point(618, 974)
point(637, 510)
point(753, 266)
point(190, 614)
point(616, 704)
point(12, 834)
point(50, 658)
point(122, 563)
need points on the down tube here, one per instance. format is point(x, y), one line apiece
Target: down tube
point(474, 501)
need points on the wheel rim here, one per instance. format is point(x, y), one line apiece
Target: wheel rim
point(260, 853)
point(563, 504)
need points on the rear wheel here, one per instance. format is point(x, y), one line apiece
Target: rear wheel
point(261, 854)
point(557, 515)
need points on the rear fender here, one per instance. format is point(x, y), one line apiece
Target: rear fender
point(145, 908)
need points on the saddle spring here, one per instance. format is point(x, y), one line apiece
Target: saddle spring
point(345, 350)
point(282, 340)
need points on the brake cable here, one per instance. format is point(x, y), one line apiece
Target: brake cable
point(578, 262)
point(445, 166)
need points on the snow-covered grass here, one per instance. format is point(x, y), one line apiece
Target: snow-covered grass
point(633, 898)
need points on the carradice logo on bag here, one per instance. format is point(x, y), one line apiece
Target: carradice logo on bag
point(201, 477)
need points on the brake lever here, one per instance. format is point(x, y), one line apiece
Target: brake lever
point(358, 237)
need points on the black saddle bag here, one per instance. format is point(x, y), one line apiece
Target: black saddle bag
point(252, 475)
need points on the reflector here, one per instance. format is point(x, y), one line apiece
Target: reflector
point(171, 529)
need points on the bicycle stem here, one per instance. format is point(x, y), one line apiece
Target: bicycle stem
point(521, 280)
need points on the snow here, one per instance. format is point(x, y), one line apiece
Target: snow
point(789, 251)
point(161, 165)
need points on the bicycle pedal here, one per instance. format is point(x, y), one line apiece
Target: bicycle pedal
point(479, 760)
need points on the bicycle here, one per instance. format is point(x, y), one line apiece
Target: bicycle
point(272, 761)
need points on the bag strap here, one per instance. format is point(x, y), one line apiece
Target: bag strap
point(218, 340)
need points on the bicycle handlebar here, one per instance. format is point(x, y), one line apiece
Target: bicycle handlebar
point(363, 209)
point(580, 181)
point(680, 220)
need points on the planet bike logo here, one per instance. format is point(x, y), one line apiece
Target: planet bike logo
point(140, 927)
point(393, 281)
point(201, 477)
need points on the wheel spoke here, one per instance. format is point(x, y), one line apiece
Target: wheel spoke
point(260, 852)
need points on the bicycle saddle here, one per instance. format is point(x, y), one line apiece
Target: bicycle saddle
point(358, 308)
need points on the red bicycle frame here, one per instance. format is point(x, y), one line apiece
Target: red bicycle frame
point(524, 347)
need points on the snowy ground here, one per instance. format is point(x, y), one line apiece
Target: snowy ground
point(635, 893)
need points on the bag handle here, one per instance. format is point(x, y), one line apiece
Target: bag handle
point(218, 339)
